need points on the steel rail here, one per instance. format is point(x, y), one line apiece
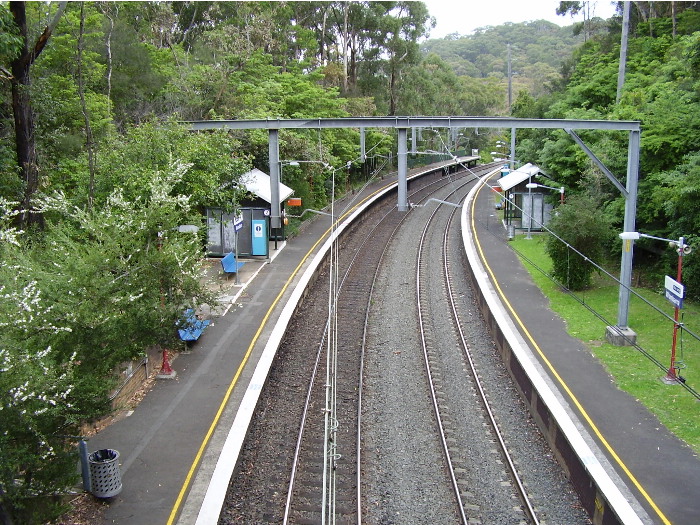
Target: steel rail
point(305, 413)
point(302, 424)
point(311, 384)
point(426, 358)
point(482, 395)
point(426, 355)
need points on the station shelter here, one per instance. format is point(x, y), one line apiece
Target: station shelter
point(248, 232)
point(524, 208)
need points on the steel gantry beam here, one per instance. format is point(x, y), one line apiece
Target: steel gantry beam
point(620, 334)
point(418, 122)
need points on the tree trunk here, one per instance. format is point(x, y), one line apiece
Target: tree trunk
point(89, 143)
point(345, 47)
point(642, 10)
point(623, 51)
point(352, 84)
point(22, 109)
point(673, 17)
point(24, 119)
point(322, 46)
point(392, 92)
point(106, 10)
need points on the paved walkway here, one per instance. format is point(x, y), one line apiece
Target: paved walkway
point(666, 472)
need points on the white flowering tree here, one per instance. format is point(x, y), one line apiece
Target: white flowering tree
point(36, 457)
point(35, 388)
point(95, 290)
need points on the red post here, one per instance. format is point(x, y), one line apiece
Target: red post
point(671, 374)
point(165, 369)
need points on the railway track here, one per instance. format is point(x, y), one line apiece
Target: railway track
point(277, 481)
point(328, 443)
point(343, 354)
point(313, 455)
point(448, 360)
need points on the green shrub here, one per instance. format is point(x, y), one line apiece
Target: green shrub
point(580, 225)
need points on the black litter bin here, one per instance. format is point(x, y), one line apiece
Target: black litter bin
point(105, 476)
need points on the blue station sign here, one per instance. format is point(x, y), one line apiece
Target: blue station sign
point(675, 292)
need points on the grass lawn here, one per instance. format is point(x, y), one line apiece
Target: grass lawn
point(633, 371)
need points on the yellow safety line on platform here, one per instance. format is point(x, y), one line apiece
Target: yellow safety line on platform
point(188, 479)
point(561, 381)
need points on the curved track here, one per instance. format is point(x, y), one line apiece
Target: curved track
point(435, 345)
point(289, 482)
point(306, 459)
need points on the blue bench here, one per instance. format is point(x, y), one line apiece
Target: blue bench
point(230, 264)
point(189, 327)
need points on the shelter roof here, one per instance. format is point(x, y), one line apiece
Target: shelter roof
point(514, 178)
point(258, 183)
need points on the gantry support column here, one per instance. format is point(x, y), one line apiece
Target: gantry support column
point(622, 334)
point(274, 155)
point(403, 169)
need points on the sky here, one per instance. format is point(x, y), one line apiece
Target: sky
point(464, 16)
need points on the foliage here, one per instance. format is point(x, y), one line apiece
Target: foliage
point(215, 163)
point(537, 51)
point(632, 371)
point(580, 225)
point(36, 459)
point(95, 291)
point(676, 203)
point(10, 41)
point(660, 91)
point(432, 88)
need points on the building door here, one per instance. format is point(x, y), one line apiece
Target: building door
point(533, 211)
point(259, 233)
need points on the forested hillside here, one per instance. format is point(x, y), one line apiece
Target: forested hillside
point(661, 89)
point(97, 171)
point(537, 52)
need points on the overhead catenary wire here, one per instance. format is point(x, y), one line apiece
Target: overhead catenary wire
point(599, 315)
point(587, 259)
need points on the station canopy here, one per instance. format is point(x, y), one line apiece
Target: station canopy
point(514, 178)
point(258, 183)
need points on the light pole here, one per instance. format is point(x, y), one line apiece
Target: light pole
point(675, 292)
point(560, 189)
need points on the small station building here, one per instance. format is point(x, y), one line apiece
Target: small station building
point(525, 208)
point(249, 231)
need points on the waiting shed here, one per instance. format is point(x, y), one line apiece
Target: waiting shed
point(524, 208)
point(252, 224)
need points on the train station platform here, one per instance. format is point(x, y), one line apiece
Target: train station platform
point(660, 471)
point(168, 443)
point(164, 441)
